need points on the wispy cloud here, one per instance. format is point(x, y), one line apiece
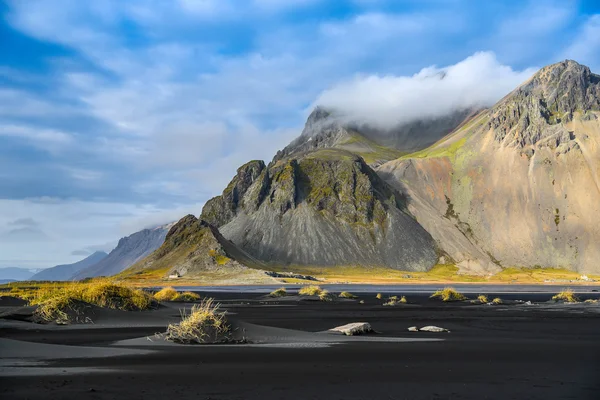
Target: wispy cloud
point(388, 101)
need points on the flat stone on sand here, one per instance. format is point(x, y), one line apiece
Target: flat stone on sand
point(354, 328)
point(431, 328)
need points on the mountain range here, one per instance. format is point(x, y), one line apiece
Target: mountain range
point(129, 250)
point(66, 272)
point(11, 274)
point(516, 184)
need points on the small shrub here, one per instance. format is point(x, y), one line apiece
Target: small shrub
point(326, 296)
point(567, 296)
point(482, 298)
point(204, 324)
point(170, 294)
point(497, 300)
point(187, 297)
point(379, 296)
point(310, 291)
point(347, 295)
point(395, 300)
point(166, 294)
point(591, 301)
point(448, 294)
point(281, 292)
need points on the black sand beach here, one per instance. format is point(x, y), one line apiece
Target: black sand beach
point(511, 351)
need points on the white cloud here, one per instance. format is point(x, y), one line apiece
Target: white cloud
point(387, 101)
point(64, 226)
point(50, 140)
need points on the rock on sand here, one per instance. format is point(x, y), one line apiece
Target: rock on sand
point(354, 328)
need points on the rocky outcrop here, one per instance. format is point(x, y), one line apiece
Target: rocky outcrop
point(130, 250)
point(66, 272)
point(194, 248)
point(518, 185)
point(327, 207)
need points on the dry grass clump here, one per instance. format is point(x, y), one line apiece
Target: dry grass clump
point(204, 324)
point(326, 296)
point(166, 294)
point(187, 297)
point(497, 301)
point(567, 296)
point(281, 292)
point(310, 291)
point(379, 296)
point(482, 298)
point(448, 294)
point(592, 301)
point(395, 300)
point(116, 296)
point(55, 309)
point(347, 295)
point(170, 294)
point(64, 303)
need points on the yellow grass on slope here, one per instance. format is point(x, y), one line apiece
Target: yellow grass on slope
point(170, 294)
point(482, 298)
point(60, 302)
point(566, 295)
point(347, 295)
point(326, 296)
point(448, 294)
point(395, 300)
point(281, 292)
point(204, 324)
point(310, 291)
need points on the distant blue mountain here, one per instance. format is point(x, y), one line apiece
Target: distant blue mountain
point(66, 272)
point(15, 274)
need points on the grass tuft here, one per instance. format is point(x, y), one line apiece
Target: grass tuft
point(395, 300)
point(566, 295)
point(170, 294)
point(310, 291)
point(166, 294)
point(448, 294)
point(281, 292)
point(187, 297)
point(482, 298)
point(326, 296)
point(379, 296)
point(64, 303)
point(347, 295)
point(204, 324)
point(497, 300)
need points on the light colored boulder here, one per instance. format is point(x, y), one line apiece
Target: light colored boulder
point(354, 328)
point(431, 328)
point(413, 329)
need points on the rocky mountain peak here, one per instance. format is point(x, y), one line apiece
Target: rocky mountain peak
point(537, 111)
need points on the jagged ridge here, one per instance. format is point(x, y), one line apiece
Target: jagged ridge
point(322, 208)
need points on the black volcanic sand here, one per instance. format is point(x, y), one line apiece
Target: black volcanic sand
point(543, 351)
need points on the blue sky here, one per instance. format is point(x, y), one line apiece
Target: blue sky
point(117, 115)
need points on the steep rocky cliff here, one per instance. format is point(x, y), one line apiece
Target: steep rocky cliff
point(518, 185)
point(321, 208)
